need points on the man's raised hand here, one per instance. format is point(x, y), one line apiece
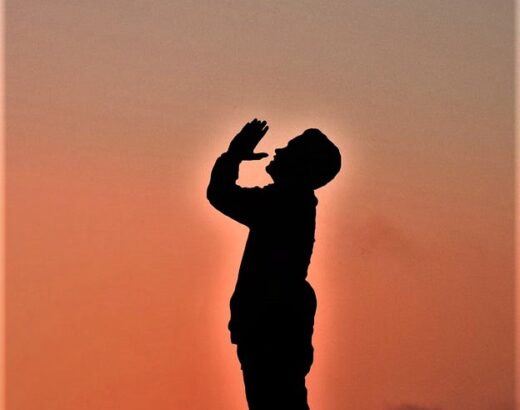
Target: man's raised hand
point(244, 143)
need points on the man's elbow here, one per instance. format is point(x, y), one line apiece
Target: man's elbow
point(219, 198)
point(213, 196)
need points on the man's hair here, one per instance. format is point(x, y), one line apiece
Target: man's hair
point(321, 159)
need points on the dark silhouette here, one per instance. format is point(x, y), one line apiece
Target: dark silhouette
point(273, 306)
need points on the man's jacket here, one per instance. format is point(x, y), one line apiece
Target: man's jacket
point(272, 299)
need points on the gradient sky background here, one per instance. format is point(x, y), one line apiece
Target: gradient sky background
point(119, 271)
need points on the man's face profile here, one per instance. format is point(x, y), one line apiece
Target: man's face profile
point(286, 161)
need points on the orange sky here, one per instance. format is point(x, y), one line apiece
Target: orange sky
point(119, 271)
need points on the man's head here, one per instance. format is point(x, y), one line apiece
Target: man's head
point(310, 160)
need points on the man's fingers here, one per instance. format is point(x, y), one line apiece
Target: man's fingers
point(256, 156)
point(250, 135)
point(256, 130)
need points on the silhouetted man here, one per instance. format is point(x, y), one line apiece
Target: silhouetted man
point(273, 306)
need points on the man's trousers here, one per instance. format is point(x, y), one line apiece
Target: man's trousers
point(274, 373)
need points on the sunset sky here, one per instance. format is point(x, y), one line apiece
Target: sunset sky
point(119, 272)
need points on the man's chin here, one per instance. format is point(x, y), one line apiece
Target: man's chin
point(271, 171)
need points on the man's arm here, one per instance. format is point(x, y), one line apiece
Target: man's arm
point(226, 196)
point(223, 192)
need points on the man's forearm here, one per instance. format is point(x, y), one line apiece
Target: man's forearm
point(223, 192)
point(223, 177)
